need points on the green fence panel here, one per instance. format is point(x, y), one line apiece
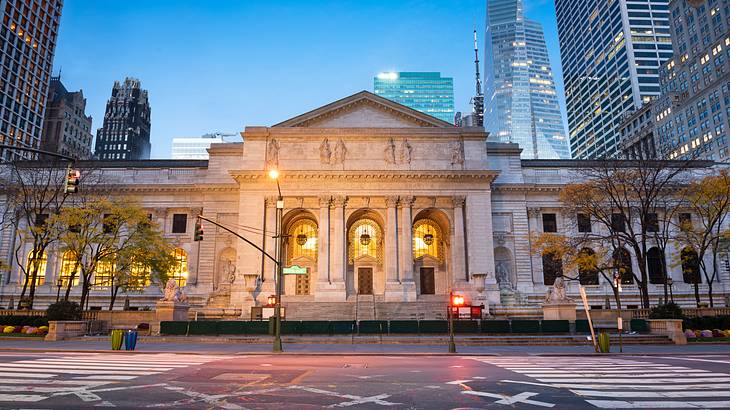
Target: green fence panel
point(291, 327)
point(433, 326)
point(372, 326)
point(173, 328)
point(466, 326)
point(342, 327)
point(314, 327)
point(231, 327)
point(403, 326)
point(581, 326)
point(203, 327)
point(555, 326)
point(495, 326)
point(256, 327)
point(639, 325)
point(525, 326)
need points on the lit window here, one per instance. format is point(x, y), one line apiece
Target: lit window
point(70, 268)
point(104, 274)
point(38, 265)
point(427, 239)
point(365, 239)
point(180, 269)
point(303, 240)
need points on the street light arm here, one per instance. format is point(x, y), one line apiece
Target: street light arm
point(244, 239)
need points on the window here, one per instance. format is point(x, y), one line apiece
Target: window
point(140, 276)
point(302, 241)
point(549, 223)
point(37, 265)
point(109, 223)
point(690, 266)
point(365, 238)
point(618, 223)
point(587, 272)
point(584, 223)
point(552, 267)
point(685, 221)
point(40, 219)
point(652, 222)
point(622, 263)
point(179, 223)
point(180, 269)
point(104, 274)
point(427, 239)
point(70, 268)
point(656, 264)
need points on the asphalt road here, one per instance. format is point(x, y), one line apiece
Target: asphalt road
point(166, 380)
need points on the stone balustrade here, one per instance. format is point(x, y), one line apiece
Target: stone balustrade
point(64, 329)
point(669, 327)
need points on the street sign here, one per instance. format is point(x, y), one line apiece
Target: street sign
point(295, 270)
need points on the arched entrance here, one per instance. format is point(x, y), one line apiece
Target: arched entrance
point(300, 248)
point(365, 253)
point(430, 252)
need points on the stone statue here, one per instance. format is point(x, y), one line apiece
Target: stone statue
point(272, 153)
point(173, 293)
point(229, 271)
point(457, 153)
point(405, 152)
point(556, 294)
point(324, 152)
point(502, 273)
point(340, 152)
point(390, 152)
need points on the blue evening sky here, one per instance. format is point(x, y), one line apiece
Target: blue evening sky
point(220, 65)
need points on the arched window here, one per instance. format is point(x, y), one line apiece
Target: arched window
point(39, 264)
point(140, 276)
point(690, 266)
point(69, 268)
point(427, 239)
point(365, 239)
point(622, 262)
point(104, 274)
point(552, 267)
point(180, 269)
point(587, 270)
point(303, 239)
point(655, 263)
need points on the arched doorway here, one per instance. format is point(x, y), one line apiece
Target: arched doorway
point(622, 262)
point(300, 248)
point(430, 250)
point(656, 265)
point(365, 253)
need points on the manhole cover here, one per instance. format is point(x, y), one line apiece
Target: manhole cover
point(356, 365)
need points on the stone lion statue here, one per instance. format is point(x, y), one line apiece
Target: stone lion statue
point(173, 293)
point(556, 294)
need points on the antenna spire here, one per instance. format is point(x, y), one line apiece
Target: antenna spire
point(478, 100)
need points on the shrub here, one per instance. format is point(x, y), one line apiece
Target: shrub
point(64, 310)
point(666, 311)
point(706, 333)
point(689, 334)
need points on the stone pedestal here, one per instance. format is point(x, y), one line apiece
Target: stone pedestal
point(559, 311)
point(330, 292)
point(171, 311)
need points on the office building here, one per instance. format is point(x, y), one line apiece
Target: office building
point(521, 101)
point(194, 147)
point(27, 45)
point(638, 139)
point(126, 130)
point(611, 53)
point(426, 92)
point(66, 127)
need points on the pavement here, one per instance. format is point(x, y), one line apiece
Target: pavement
point(295, 381)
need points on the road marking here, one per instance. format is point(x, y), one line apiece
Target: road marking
point(697, 360)
point(459, 381)
point(645, 381)
point(21, 397)
point(628, 376)
point(33, 375)
point(653, 394)
point(355, 400)
point(7, 368)
point(32, 365)
point(618, 404)
point(509, 400)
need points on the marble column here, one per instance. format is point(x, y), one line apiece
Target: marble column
point(458, 254)
point(406, 238)
point(391, 241)
point(533, 225)
point(334, 290)
point(269, 283)
point(323, 239)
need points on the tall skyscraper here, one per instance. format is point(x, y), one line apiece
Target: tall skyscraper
point(426, 92)
point(27, 44)
point(66, 127)
point(126, 131)
point(194, 147)
point(521, 101)
point(611, 53)
point(693, 114)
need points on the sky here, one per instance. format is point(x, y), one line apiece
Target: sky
point(221, 65)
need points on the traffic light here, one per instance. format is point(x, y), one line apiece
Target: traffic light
point(72, 181)
point(198, 231)
point(457, 300)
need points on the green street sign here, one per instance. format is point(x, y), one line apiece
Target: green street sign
point(295, 270)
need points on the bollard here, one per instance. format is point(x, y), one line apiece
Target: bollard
point(116, 338)
point(130, 339)
point(604, 342)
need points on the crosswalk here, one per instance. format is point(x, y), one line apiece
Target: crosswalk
point(617, 383)
point(83, 374)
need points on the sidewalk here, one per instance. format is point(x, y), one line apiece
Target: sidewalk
point(149, 345)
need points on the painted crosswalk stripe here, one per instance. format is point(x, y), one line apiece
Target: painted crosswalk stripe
point(21, 397)
point(33, 375)
point(105, 363)
point(618, 404)
point(651, 381)
point(46, 370)
point(32, 365)
point(654, 394)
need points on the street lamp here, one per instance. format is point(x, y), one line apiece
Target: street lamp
point(274, 174)
point(617, 281)
point(454, 301)
point(670, 282)
point(59, 284)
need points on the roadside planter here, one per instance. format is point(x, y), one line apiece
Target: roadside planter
point(117, 335)
point(130, 339)
point(604, 341)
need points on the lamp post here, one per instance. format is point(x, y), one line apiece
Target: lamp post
point(454, 301)
point(274, 174)
point(670, 282)
point(617, 281)
point(59, 284)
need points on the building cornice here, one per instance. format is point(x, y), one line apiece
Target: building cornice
point(526, 188)
point(242, 176)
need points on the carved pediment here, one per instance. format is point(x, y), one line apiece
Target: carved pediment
point(364, 110)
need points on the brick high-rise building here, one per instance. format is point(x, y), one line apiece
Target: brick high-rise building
point(66, 127)
point(27, 44)
point(126, 130)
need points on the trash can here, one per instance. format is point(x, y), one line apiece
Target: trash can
point(116, 337)
point(604, 341)
point(130, 339)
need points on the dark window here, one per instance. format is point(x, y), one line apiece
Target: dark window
point(587, 271)
point(549, 223)
point(108, 223)
point(622, 263)
point(652, 222)
point(618, 223)
point(75, 228)
point(690, 266)
point(179, 223)
point(584, 223)
point(552, 267)
point(656, 263)
point(40, 219)
point(685, 221)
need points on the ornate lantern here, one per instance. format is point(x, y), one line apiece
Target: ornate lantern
point(271, 300)
point(301, 239)
point(365, 239)
point(428, 239)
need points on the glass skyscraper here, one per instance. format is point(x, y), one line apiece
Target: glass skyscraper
point(426, 92)
point(611, 53)
point(521, 101)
